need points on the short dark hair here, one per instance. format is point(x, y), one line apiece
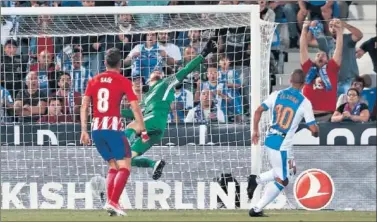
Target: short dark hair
point(212, 64)
point(298, 76)
point(12, 42)
point(113, 57)
point(60, 74)
point(55, 98)
point(358, 79)
point(353, 89)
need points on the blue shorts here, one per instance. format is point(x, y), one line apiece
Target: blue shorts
point(111, 144)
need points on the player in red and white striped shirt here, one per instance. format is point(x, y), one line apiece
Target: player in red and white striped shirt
point(106, 91)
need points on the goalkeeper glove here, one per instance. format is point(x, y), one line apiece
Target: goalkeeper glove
point(211, 47)
point(144, 136)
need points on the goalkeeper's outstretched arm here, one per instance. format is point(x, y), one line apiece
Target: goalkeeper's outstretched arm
point(211, 47)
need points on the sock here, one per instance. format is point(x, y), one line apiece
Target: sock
point(265, 177)
point(141, 161)
point(119, 184)
point(131, 135)
point(111, 174)
point(272, 190)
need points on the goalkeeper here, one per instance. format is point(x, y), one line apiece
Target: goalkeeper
point(156, 107)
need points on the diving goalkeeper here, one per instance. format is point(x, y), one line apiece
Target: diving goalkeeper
point(156, 107)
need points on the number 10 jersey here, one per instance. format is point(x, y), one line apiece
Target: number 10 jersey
point(288, 108)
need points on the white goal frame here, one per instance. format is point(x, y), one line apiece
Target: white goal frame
point(255, 40)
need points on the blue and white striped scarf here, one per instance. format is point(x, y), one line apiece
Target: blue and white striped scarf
point(322, 73)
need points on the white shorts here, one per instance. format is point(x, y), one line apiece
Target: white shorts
point(279, 162)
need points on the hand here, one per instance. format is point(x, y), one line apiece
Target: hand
point(135, 55)
point(211, 47)
point(306, 25)
point(325, 7)
point(144, 136)
point(26, 107)
point(163, 54)
point(347, 114)
point(338, 25)
point(359, 53)
point(85, 139)
point(255, 137)
point(212, 116)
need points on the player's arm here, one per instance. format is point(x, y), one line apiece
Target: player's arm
point(84, 110)
point(310, 119)
point(266, 105)
point(136, 110)
point(211, 47)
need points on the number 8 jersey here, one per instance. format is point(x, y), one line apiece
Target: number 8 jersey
point(106, 91)
point(288, 107)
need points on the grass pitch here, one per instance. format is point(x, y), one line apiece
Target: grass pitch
point(184, 215)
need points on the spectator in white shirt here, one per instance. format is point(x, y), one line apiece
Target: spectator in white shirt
point(206, 111)
point(171, 49)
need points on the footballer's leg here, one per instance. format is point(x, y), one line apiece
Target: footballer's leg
point(121, 151)
point(279, 162)
point(139, 148)
point(99, 138)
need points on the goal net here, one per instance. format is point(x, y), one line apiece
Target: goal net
point(207, 144)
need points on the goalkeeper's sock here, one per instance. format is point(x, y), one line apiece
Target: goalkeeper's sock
point(131, 135)
point(111, 174)
point(144, 162)
point(265, 177)
point(119, 184)
point(271, 191)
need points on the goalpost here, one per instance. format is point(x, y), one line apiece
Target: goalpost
point(196, 155)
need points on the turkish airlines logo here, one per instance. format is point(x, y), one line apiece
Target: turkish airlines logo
point(314, 189)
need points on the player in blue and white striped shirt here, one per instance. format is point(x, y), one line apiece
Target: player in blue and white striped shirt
point(6, 102)
point(288, 107)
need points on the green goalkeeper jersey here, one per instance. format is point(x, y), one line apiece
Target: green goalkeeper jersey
point(161, 94)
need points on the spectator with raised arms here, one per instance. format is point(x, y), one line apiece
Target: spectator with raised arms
point(321, 74)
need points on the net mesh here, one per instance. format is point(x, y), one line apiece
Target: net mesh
point(41, 157)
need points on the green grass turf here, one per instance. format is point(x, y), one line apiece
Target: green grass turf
point(184, 215)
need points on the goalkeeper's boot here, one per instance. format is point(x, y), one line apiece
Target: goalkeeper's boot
point(114, 209)
point(251, 186)
point(254, 213)
point(157, 170)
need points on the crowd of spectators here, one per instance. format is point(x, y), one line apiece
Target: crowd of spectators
point(43, 78)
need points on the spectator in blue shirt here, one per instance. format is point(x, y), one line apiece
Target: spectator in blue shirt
point(184, 101)
point(79, 74)
point(233, 82)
